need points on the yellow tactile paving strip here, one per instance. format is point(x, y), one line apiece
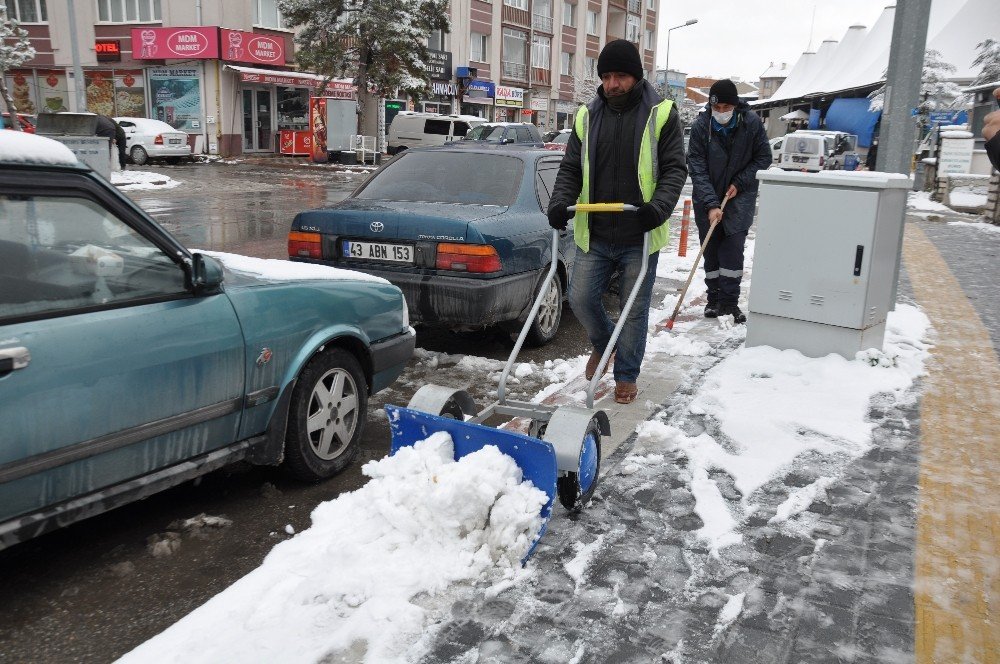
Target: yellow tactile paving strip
point(957, 584)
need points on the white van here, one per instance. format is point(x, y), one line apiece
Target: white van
point(410, 129)
point(803, 152)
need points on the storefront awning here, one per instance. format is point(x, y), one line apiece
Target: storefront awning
point(340, 88)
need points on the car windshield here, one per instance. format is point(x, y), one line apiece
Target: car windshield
point(561, 137)
point(485, 133)
point(802, 144)
point(447, 177)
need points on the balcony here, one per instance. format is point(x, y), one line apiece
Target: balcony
point(620, 4)
point(514, 16)
point(635, 6)
point(514, 71)
point(542, 23)
point(540, 76)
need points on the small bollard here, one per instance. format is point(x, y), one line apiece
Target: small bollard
point(682, 248)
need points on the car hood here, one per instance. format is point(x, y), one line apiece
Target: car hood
point(398, 220)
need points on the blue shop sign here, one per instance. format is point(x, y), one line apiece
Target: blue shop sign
point(481, 90)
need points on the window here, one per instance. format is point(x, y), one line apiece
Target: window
point(515, 46)
point(632, 28)
point(28, 11)
point(435, 41)
point(128, 11)
point(650, 40)
point(520, 4)
point(569, 15)
point(438, 127)
point(267, 15)
point(541, 52)
point(651, 5)
point(566, 64)
point(590, 66)
point(593, 20)
point(545, 182)
point(479, 52)
point(447, 177)
point(524, 135)
point(62, 254)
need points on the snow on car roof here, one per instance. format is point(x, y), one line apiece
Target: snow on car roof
point(18, 147)
point(150, 123)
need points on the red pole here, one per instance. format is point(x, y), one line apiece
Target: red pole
point(682, 248)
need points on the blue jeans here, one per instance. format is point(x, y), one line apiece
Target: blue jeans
point(591, 274)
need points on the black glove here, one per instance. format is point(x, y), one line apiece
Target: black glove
point(559, 216)
point(648, 217)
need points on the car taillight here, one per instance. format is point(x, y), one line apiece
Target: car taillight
point(158, 140)
point(305, 245)
point(468, 257)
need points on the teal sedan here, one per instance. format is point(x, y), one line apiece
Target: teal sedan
point(129, 364)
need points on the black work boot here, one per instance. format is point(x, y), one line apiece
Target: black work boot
point(734, 311)
point(711, 310)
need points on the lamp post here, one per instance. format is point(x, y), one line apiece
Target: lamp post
point(666, 65)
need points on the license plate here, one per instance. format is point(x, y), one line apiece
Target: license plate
point(799, 160)
point(176, 141)
point(378, 251)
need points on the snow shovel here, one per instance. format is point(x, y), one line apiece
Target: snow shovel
point(694, 268)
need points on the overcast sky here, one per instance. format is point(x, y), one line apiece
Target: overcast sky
point(742, 38)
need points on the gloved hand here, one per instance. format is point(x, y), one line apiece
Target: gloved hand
point(648, 217)
point(559, 216)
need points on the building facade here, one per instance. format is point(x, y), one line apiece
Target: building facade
point(772, 79)
point(223, 70)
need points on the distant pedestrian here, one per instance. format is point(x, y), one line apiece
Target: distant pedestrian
point(627, 146)
point(108, 128)
point(728, 146)
point(991, 132)
point(120, 140)
point(872, 156)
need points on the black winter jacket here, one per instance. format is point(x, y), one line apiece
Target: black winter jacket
point(615, 140)
point(717, 161)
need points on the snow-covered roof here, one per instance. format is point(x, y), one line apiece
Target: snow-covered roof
point(775, 71)
point(862, 57)
point(18, 147)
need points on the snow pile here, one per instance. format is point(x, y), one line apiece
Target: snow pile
point(921, 202)
point(346, 586)
point(136, 180)
point(18, 147)
point(770, 408)
point(280, 270)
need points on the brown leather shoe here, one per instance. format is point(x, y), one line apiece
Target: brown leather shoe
point(595, 359)
point(625, 392)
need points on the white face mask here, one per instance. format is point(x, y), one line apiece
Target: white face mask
point(722, 118)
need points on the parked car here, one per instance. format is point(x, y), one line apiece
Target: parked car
point(506, 133)
point(129, 364)
point(147, 139)
point(558, 141)
point(838, 144)
point(26, 122)
point(461, 230)
point(776, 149)
point(416, 130)
point(803, 152)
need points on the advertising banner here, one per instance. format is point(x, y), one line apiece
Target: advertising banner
point(100, 92)
point(22, 88)
point(130, 93)
point(175, 97)
point(53, 91)
point(198, 43)
point(317, 127)
point(956, 155)
point(239, 46)
point(509, 96)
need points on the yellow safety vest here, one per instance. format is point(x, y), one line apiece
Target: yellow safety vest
point(648, 172)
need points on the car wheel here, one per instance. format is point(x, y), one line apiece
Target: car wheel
point(546, 324)
point(139, 155)
point(328, 414)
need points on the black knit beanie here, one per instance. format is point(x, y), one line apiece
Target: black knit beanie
point(724, 92)
point(622, 56)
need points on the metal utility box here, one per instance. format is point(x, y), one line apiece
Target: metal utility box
point(77, 131)
point(826, 260)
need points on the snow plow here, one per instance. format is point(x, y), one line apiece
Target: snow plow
point(561, 454)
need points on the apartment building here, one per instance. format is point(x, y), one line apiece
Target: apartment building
point(223, 70)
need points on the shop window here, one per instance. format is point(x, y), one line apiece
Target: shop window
point(28, 11)
point(267, 15)
point(293, 108)
point(128, 11)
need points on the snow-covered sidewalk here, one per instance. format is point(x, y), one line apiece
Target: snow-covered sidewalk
point(136, 180)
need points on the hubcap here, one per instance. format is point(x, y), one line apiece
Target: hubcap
point(549, 310)
point(333, 414)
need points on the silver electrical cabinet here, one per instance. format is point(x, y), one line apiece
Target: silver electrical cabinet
point(826, 260)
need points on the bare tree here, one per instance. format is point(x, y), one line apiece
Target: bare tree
point(15, 50)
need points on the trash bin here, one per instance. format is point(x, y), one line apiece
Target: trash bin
point(348, 157)
point(851, 161)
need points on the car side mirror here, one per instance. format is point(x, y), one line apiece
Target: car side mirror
point(206, 273)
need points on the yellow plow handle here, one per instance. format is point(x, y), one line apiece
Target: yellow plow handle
point(602, 207)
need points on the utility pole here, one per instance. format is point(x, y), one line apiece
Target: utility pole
point(902, 86)
point(79, 84)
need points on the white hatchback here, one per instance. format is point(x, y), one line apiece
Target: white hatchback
point(147, 139)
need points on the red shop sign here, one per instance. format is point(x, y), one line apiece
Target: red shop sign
point(175, 43)
point(239, 46)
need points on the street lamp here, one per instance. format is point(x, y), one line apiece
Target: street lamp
point(666, 65)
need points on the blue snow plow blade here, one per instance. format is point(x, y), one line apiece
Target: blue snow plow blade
point(534, 457)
